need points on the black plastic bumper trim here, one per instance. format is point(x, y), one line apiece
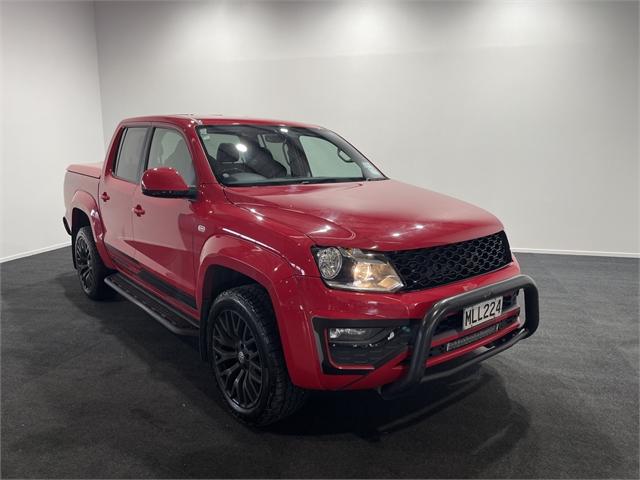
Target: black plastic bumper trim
point(422, 343)
point(321, 324)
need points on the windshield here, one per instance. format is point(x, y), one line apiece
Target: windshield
point(247, 155)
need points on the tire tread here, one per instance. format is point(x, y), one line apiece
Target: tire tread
point(101, 290)
point(285, 398)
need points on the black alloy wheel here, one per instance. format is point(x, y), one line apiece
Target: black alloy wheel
point(84, 265)
point(91, 270)
point(245, 353)
point(237, 360)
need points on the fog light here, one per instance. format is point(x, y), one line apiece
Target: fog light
point(359, 335)
point(343, 333)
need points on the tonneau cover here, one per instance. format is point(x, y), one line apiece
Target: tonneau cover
point(90, 169)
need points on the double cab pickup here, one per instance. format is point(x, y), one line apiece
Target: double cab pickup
point(293, 259)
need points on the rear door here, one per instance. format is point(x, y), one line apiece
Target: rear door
point(117, 189)
point(163, 227)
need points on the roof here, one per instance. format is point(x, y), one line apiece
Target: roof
point(214, 119)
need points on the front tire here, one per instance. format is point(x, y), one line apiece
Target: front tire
point(247, 360)
point(91, 271)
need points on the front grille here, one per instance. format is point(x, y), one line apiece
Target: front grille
point(435, 266)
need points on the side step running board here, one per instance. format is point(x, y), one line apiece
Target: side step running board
point(168, 316)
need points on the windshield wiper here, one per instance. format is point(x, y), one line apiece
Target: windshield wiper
point(332, 180)
point(296, 181)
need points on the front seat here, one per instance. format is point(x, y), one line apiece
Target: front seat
point(226, 162)
point(227, 153)
point(261, 161)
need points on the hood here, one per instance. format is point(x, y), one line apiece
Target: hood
point(383, 215)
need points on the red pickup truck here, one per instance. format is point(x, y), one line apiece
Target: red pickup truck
point(296, 262)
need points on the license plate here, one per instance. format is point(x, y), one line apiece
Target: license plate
point(481, 312)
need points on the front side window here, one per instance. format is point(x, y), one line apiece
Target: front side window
point(169, 149)
point(130, 154)
point(246, 155)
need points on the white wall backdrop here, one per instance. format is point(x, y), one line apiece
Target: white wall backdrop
point(527, 108)
point(50, 116)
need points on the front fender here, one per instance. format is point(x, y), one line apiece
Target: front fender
point(276, 275)
point(84, 202)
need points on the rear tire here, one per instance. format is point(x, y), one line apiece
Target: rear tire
point(91, 271)
point(247, 359)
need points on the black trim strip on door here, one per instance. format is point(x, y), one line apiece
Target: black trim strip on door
point(163, 286)
point(154, 280)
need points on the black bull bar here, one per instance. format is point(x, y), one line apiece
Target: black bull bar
point(422, 345)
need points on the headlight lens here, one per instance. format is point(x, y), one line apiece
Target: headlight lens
point(353, 269)
point(329, 262)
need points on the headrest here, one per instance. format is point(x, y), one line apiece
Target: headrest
point(227, 153)
point(261, 161)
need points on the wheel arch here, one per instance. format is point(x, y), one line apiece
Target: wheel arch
point(79, 219)
point(84, 212)
point(227, 262)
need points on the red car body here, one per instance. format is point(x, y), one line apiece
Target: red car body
point(267, 233)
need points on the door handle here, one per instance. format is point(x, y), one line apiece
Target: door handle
point(138, 210)
point(105, 196)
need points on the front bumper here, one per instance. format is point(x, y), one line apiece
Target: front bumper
point(417, 368)
point(311, 308)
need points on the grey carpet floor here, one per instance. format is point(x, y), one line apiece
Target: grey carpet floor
point(102, 390)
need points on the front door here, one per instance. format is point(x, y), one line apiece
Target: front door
point(163, 227)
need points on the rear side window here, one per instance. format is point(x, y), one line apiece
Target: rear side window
point(130, 154)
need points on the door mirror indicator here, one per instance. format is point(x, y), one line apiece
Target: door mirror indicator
point(166, 182)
